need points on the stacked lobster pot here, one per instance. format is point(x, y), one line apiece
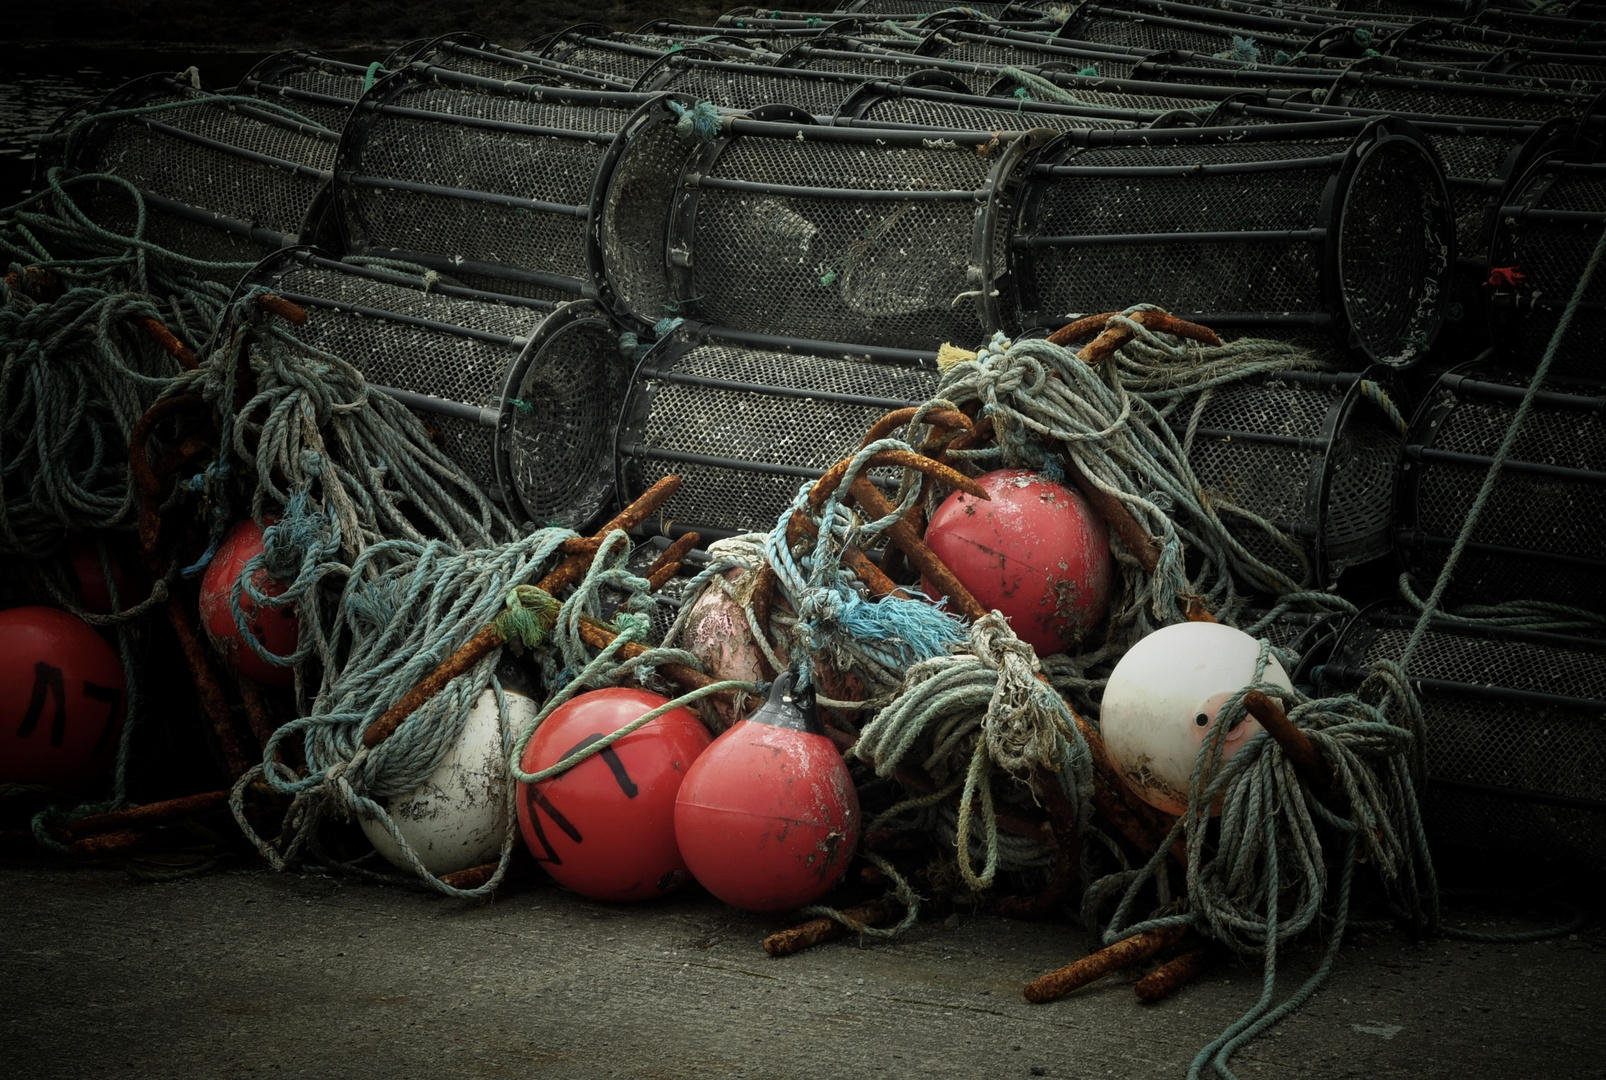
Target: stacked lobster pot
point(985, 43)
point(627, 57)
point(1538, 537)
point(705, 76)
point(221, 182)
point(489, 182)
point(822, 265)
point(936, 101)
point(321, 89)
point(1515, 731)
point(475, 54)
point(521, 393)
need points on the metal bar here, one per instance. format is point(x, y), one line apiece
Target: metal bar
point(268, 238)
point(1455, 457)
point(602, 138)
point(469, 195)
point(673, 376)
point(768, 467)
point(1229, 169)
point(705, 333)
point(720, 183)
point(396, 278)
point(1417, 538)
point(452, 265)
point(237, 151)
point(1267, 236)
point(1356, 673)
point(1293, 442)
point(1462, 384)
point(474, 414)
point(404, 320)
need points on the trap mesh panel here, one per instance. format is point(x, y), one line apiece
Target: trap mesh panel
point(1139, 30)
point(870, 236)
point(521, 396)
point(488, 182)
point(222, 183)
point(817, 56)
point(976, 43)
point(739, 87)
point(1110, 93)
point(745, 426)
point(319, 88)
point(1539, 536)
point(1307, 453)
point(475, 54)
point(1516, 732)
point(1546, 232)
point(1427, 97)
point(926, 7)
point(918, 106)
point(627, 57)
point(1242, 227)
point(1565, 70)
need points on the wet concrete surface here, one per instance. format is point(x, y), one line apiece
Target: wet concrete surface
point(259, 974)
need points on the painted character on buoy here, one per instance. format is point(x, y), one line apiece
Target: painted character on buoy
point(276, 629)
point(62, 700)
point(768, 818)
point(1036, 552)
point(458, 816)
point(606, 827)
point(1162, 698)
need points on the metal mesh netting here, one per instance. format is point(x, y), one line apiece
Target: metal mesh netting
point(1114, 26)
point(202, 163)
point(1387, 93)
point(746, 86)
point(1306, 454)
point(1241, 232)
point(1516, 734)
point(972, 113)
point(926, 7)
point(319, 88)
point(474, 54)
point(1546, 230)
point(745, 427)
point(833, 234)
point(1539, 536)
point(495, 182)
point(886, 65)
point(1101, 93)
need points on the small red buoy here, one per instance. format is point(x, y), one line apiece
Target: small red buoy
point(1036, 552)
point(83, 555)
point(276, 629)
point(768, 818)
point(62, 700)
point(606, 828)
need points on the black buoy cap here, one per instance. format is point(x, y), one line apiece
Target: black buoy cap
point(788, 708)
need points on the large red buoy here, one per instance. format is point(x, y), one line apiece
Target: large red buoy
point(277, 629)
point(62, 700)
point(768, 818)
point(606, 828)
point(1036, 552)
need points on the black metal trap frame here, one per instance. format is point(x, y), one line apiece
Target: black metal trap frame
point(1110, 24)
point(523, 394)
point(627, 57)
point(936, 101)
point(1540, 534)
point(1343, 226)
point(873, 236)
point(918, 8)
point(221, 182)
point(491, 182)
point(475, 54)
point(1311, 454)
point(1543, 236)
point(746, 419)
point(1515, 742)
point(702, 76)
point(992, 46)
point(1486, 99)
point(853, 57)
point(322, 89)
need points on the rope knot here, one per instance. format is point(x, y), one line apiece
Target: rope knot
point(1025, 716)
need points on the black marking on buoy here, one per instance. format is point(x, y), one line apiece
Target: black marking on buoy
point(112, 695)
point(45, 680)
point(536, 802)
point(615, 765)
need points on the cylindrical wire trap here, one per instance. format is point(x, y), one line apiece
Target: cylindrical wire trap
point(1515, 745)
point(868, 236)
point(322, 89)
point(476, 54)
point(744, 420)
point(1330, 225)
point(1539, 537)
point(489, 181)
point(936, 101)
point(703, 76)
point(220, 182)
point(522, 394)
point(627, 57)
point(1544, 234)
point(1298, 465)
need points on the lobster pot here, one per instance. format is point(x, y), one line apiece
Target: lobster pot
point(319, 88)
point(1504, 100)
point(1107, 25)
point(702, 76)
point(1310, 455)
point(1547, 230)
point(869, 236)
point(845, 55)
point(487, 181)
point(1315, 225)
point(981, 43)
point(918, 8)
point(1540, 534)
point(1515, 741)
point(1560, 69)
point(221, 183)
point(475, 54)
point(627, 57)
point(522, 394)
point(934, 101)
point(1125, 95)
point(745, 420)
point(1297, 80)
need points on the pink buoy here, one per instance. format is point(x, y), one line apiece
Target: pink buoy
point(717, 633)
point(277, 629)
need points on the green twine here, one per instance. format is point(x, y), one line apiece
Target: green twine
point(531, 614)
point(701, 122)
point(368, 79)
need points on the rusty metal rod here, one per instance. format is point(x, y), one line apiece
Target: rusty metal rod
point(1178, 972)
point(920, 555)
point(169, 342)
point(291, 313)
point(1121, 955)
point(818, 931)
point(1296, 745)
point(143, 817)
point(667, 565)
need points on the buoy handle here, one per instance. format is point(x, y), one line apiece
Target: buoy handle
point(788, 707)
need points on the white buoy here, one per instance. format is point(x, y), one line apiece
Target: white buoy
point(1164, 695)
point(457, 818)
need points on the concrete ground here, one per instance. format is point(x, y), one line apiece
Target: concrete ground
point(256, 974)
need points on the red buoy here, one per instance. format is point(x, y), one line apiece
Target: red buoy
point(62, 700)
point(606, 828)
point(277, 629)
point(1036, 552)
point(768, 818)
